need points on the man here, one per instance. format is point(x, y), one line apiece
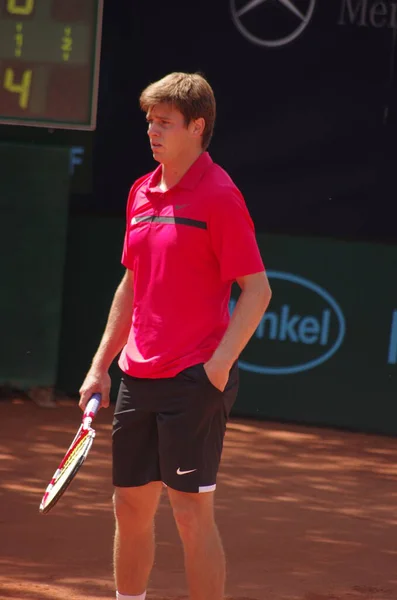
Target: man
point(188, 237)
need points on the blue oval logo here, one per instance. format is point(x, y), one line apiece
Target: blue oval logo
point(294, 328)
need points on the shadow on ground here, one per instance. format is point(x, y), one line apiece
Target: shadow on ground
point(305, 513)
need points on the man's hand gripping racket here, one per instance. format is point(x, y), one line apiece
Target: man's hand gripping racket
point(74, 457)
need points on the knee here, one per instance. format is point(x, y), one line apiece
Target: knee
point(187, 522)
point(191, 520)
point(124, 505)
point(130, 508)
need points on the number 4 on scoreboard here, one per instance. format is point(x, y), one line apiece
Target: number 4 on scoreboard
point(22, 88)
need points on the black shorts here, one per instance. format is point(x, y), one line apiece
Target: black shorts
point(171, 430)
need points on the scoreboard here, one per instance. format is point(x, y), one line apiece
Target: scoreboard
point(49, 62)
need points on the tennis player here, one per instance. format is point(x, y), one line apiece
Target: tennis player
point(188, 237)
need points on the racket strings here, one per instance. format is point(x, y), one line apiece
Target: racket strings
point(75, 452)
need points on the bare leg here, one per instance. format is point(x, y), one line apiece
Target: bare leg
point(204, 556)
point(134, 545)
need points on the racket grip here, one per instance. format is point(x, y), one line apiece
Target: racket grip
point(91, 409)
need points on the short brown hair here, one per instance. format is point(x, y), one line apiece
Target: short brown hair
point(190, 93)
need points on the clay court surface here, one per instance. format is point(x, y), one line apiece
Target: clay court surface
point(305, 513)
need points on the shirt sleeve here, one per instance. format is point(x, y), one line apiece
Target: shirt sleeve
point(126, 258)
point(233, 237)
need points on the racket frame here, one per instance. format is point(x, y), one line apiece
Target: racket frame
point(85, 435)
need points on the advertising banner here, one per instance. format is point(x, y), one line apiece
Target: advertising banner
point(325, 352)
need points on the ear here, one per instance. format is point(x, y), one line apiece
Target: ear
point(198, 126)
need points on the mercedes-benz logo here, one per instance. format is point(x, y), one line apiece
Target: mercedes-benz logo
point(271, 22)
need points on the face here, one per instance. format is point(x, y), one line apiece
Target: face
point(170, 138)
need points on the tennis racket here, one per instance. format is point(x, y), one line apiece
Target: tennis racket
point(74, 457)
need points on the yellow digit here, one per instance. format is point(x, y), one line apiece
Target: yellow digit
point(22, 88)
point(20, 9)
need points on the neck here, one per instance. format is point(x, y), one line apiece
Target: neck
point(173, 172)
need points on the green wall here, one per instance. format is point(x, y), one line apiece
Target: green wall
point(325, 352)
point(92, 274)
point(34, 196)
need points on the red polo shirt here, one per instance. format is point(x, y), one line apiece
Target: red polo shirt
point(185, 246)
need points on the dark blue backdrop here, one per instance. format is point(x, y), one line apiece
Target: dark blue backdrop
point(306, 129)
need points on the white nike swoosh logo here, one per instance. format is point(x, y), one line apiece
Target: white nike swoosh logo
point(179, 472)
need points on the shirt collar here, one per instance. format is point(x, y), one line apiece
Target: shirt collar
point(193, 175)
point(155, 179)
point(191, 178)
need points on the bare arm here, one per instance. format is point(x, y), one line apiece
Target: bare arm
point(252, 303)
point(113, 340)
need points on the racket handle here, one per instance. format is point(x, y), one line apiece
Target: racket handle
point(91, 410)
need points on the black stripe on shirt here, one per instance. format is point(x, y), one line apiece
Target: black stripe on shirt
point(172, 221)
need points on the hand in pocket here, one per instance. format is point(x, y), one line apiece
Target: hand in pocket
point(218, 375)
